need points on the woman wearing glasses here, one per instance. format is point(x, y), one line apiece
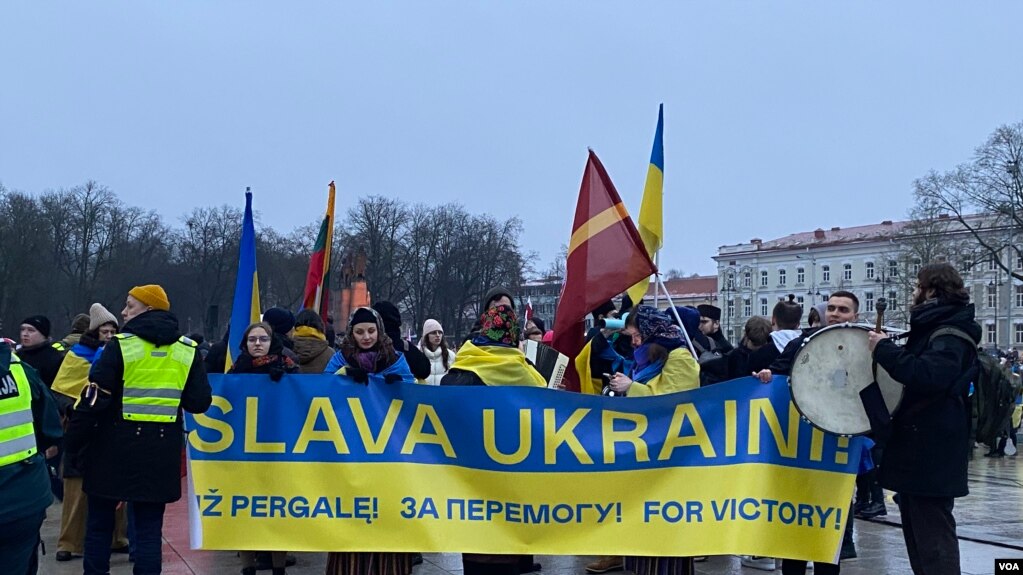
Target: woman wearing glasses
point(262, 354)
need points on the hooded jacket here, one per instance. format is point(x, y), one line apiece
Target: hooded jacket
point(437, 370)
point(126, 460)
point(929, 447)
point(312, 350)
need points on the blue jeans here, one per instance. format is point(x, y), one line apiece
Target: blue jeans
point(148, 536)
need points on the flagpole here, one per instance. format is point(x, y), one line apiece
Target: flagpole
point(671, 306)
point(657, 264)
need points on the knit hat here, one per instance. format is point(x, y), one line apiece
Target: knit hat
point(430, 326)
point(499, 324)
point(711, 312)
point(99, 315)
point(80, 324)
point(40, 322)
point(496, 293)
point(364, 315)
point(151, 295)
point(539, 323)
point(281, 320)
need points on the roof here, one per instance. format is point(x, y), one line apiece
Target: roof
point(688, 287)
point(820, 237)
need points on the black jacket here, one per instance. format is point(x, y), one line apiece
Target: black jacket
point(929, 447)
point(133, 461)
point(44, 358)
point(721, 343)
point(461, 377)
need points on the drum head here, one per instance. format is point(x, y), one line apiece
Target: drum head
point(828, 373)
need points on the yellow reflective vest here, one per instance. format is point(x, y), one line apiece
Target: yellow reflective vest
point(17, 434)
point(154, 377)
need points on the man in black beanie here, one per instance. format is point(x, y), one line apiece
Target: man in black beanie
point(38, 350)
point(710, 326)
point(418, 363)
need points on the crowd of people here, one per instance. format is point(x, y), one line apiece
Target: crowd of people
point(95, 418)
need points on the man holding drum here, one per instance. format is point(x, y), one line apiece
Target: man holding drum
point(927, 453)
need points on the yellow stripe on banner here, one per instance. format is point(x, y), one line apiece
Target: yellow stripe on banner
point(597, 224)
point(757, 509)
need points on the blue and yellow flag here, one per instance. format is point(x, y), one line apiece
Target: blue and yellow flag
point(245, 308)
point(651, 212)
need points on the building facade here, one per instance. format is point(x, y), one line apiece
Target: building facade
point(872, 262)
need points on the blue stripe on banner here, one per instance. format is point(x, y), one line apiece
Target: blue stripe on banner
point(327, 418)
point(657, 154)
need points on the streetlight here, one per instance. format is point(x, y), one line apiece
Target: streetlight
point(729, 304)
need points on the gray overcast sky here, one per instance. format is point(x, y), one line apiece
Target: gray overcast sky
point(780, 116)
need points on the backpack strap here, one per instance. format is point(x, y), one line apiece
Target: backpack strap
point(953, 331)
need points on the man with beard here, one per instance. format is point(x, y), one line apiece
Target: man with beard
point(926, 455)
point(710, 326)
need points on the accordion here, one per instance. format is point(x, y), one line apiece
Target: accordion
point(548, 361)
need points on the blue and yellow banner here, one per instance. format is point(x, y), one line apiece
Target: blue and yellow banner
point(318, 463)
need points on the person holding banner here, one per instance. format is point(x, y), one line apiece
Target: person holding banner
point(129, 419)
point(493, 358)
point(663, 364)
point(365, 351)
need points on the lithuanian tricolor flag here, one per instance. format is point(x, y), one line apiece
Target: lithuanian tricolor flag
point(317, 295)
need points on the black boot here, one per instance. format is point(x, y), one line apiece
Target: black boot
point(279, 571)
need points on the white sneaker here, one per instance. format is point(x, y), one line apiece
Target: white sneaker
point(761, 563)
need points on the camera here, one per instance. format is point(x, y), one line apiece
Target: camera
point(605, 379)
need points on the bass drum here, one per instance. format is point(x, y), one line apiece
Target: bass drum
point(828, 372)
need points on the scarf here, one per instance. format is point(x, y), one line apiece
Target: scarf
point(309, 331)
point(367, 360)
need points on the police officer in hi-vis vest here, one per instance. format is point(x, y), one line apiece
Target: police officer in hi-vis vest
point(127, 434)
point(29, 427)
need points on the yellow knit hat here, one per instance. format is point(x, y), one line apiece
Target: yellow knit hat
point(152, 295)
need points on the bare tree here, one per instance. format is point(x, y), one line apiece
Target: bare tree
point(985, 196)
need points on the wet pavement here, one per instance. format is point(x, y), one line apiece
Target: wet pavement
point(990, 527)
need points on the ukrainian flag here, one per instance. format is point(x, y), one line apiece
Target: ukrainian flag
point(651, 212)
point(245, 308)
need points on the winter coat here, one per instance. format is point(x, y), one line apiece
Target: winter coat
point(680, 373)
point(126, 460)
point(313, 353)
point(721, 343)
point(25, 486)
point(45, 358)
point(417, 362)
point(929, 447)
point(437, 370)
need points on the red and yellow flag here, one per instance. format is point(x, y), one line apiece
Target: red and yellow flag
point(317, 295)
point(605, 257)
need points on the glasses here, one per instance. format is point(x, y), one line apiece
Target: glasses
point(260, 339)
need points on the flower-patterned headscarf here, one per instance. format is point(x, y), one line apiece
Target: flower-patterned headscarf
point(500, 324)
point(652, 322)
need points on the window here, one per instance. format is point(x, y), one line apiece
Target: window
point(763, 306)
point(992, 296)
point(868, 301)
point(763, 278)
point(800, 276)
point(1019, 295)
point(825, 274)
point(731, 281)
point(992, 333)
point(916, 266)
point(731, 308)
point(1019, 262)
point(870, 270)
point(800, 300)
point(847, 272)
point(893, 269)
point(1019, 333)
point(747, 307)
point(747, 279)
point(781, 277)
point(992, 264)
point(893, 302)
point(967, 262)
